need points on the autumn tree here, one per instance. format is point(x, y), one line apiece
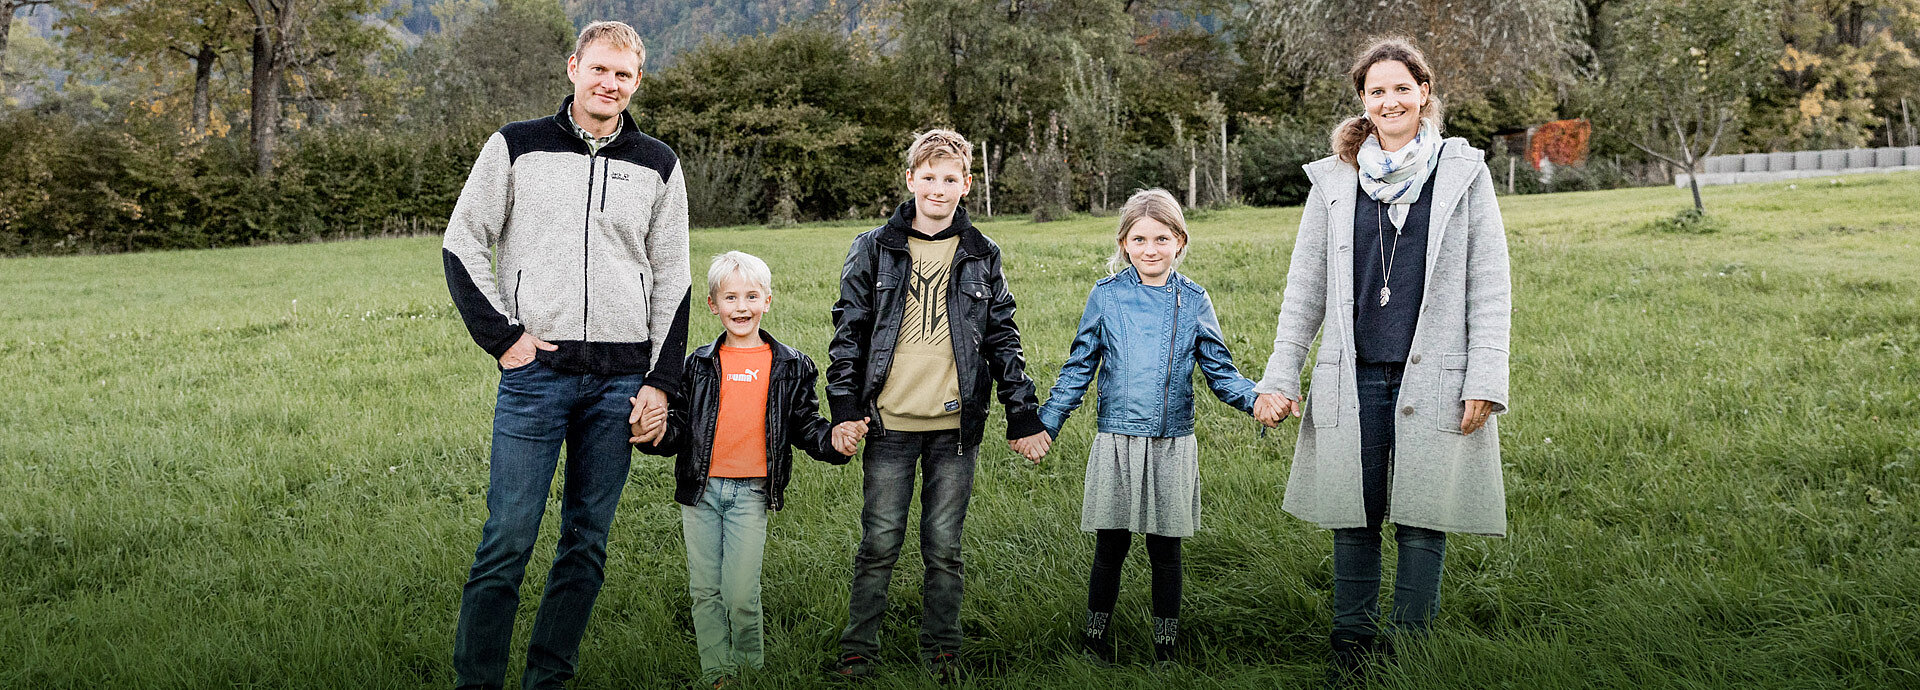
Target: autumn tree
point(288, 34)
point(494, 62)
point(819, 112)
point(1473, 45)
point(157, 34)
point(1681, 75)
point(1844, 68)
point(1002, 68)
point(7, 8)
point(1093, 120)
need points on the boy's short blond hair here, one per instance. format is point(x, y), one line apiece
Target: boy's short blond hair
point(750, 268)
point(939, 143)
point(615, 34)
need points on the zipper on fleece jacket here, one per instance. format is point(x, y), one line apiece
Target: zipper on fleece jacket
point(586, 248)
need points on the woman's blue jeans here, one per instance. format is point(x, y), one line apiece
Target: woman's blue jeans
point(1356, 552)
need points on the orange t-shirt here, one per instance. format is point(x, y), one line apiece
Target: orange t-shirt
point(740, 435)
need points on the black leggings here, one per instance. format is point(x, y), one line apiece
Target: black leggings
point(1110, 551)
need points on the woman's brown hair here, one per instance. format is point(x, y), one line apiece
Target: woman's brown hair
point(1350, 134)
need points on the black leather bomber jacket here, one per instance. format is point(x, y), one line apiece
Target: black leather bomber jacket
point(793, 421)
point(986, 342)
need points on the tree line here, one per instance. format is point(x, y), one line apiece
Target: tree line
point(147, 124)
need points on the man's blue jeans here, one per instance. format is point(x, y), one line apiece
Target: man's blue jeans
point(947, 483)
point(539, 410)
point(1356, 552)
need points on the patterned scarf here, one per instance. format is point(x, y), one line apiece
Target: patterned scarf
point(1395, 179)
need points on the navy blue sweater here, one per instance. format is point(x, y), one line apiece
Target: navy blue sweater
point(1385, 334)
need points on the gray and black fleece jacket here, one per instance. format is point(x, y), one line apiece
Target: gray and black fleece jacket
point(587, 251)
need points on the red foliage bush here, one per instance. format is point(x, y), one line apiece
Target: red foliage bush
point(1562, 141)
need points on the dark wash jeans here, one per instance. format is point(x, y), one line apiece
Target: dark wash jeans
point(537, 411)
point(888, 471)
point(1356, 552)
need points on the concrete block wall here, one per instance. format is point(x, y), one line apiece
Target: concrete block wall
point(1760, 167)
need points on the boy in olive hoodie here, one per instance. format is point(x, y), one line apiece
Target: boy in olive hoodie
point(923, 331)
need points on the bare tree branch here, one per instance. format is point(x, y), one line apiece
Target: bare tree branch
point(1655, 154)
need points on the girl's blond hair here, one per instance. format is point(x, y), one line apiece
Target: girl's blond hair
point(1154, 203)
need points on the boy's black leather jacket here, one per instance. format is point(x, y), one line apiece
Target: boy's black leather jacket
point(793, 421)
point(986, 343)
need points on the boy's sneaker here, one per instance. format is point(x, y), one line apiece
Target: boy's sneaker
point(944, 667)
point(851, 666)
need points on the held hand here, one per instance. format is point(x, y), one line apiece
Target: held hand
point(1267, 410)
point(1034, 447)
point(649, 402)
point(1272, 408)
point(847, 436)
point(649, 421)
point(521, 354)
point(1475, 416)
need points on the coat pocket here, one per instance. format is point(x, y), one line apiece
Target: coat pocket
point(1450, 380)
point(973, 296)
point(1323, 396)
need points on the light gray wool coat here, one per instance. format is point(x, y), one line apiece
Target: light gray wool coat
point(1442, 479)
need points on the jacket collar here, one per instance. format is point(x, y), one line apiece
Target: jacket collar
point(629, 130)
point(899, 229)
point(1132, 277)
point(711, 351)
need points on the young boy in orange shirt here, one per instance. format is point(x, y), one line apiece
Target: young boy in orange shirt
point(748, 398)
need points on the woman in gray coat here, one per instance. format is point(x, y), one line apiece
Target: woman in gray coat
point(1400, 268)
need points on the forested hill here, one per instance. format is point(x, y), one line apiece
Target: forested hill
point(670, 27)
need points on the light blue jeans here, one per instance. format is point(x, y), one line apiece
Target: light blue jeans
point(726, 537)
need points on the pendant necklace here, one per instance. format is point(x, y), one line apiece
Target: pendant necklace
point(1386, 257)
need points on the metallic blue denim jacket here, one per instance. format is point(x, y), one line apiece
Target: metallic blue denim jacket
point(1146, 341)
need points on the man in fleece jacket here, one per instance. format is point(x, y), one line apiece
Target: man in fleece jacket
point(567, 257)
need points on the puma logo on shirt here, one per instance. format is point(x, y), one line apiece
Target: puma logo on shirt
point(748, 377)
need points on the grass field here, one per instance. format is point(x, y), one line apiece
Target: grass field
point(265, 467)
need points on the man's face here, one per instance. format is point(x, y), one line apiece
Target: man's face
point(604, 78)
point(937, 186)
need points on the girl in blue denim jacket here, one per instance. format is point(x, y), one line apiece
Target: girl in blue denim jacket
point(1145, 328)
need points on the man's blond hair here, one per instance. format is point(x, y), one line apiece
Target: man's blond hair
point(615, 34)
point(940, 143)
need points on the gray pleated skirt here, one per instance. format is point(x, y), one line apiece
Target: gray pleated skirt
point(1141, 484)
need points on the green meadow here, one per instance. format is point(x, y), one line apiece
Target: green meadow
point(266, 467)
